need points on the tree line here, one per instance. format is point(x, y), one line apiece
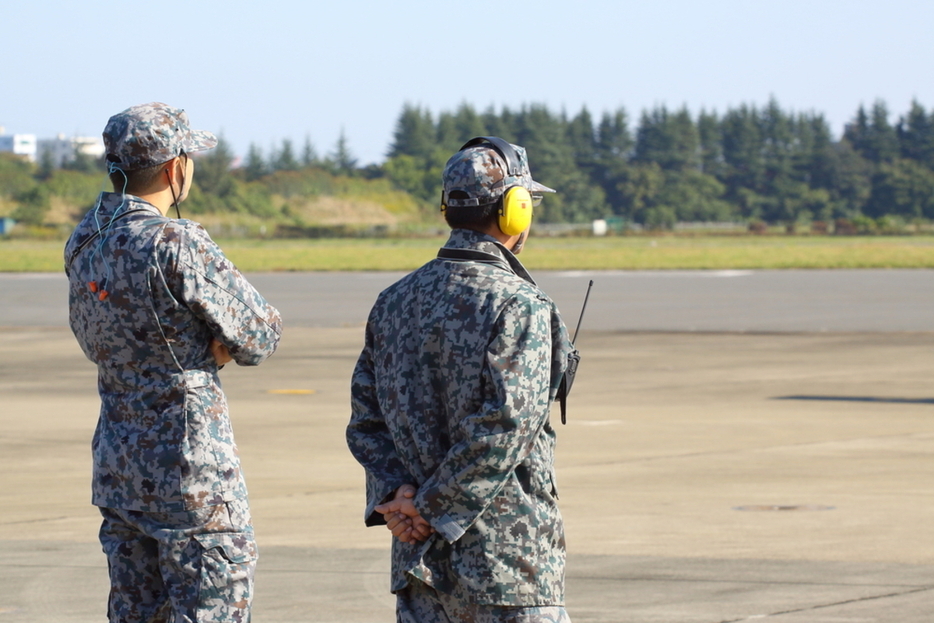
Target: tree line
point(748, 164)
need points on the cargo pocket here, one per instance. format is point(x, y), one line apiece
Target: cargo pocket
point(227, 564)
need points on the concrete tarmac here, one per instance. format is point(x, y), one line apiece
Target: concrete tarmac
point(676, 300)
point(705, 477)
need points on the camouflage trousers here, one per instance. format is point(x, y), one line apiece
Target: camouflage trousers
point(180, 567)
point(420, 603)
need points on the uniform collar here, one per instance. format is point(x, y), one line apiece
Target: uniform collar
point(470, 240)
point(114, 203)
point(99, 219)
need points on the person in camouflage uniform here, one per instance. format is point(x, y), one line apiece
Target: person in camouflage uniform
point(156, 305)
point(450, 414)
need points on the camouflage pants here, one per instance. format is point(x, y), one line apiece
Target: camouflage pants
point(180, 567)
point(420, 603)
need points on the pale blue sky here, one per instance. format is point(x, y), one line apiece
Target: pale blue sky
point(260, 72)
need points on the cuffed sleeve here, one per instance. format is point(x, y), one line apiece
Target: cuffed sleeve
point(218, 293)
point(370, 440)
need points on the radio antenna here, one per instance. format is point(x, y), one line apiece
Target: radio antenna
point(583, 309)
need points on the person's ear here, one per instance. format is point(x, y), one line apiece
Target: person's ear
point(171, 169)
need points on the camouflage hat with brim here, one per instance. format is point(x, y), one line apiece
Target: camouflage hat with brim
point(150, 134)
point(479, 176)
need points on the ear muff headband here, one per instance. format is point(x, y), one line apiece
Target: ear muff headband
point(515, 212)
point(502, 147)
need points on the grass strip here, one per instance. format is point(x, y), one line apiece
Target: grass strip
point(611, 253)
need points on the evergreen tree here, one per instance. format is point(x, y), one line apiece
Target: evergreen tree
point(778, 144)
point(671, 140)
point(916, 135)
point(639, 186)
point(455, 129)
point(503, 124)
point(543, 134)
point(883, 137)
point(815, 162)
point(214, 169)
point(848, 180)
point(614, 146)
point(284, 159)
point(342, 160)
point(750, 163)
point(873, 136)
point(785, 149)
point(710, 141)
point(614, 141)
point(856, 132)
point(414, 135)
point(582, 140)
point(415, 161)
point(448, 137)
point(255, 166)
point(468, 124)
point(904, 188)
point(743, 151)
point(309, 155)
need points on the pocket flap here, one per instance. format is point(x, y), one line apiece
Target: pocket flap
point(235, 547)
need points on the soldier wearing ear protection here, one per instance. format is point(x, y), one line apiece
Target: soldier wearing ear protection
point(451, 399)
point(157, 307)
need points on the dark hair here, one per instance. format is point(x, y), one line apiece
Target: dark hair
point(138, 181)
point(477, 218)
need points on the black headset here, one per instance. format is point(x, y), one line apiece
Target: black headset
point(503, 148)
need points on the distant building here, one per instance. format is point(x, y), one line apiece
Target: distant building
point(62, 150)
point(19, 144)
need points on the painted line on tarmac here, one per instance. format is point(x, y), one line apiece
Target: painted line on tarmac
point(707, 274)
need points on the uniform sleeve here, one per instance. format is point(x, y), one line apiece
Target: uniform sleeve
point(495, 439)
point(369, 438)
point(203, 279)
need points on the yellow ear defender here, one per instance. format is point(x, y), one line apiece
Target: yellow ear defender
point(515, 212)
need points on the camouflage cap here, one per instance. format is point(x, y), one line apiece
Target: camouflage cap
point(150, 134)
point(481, 173)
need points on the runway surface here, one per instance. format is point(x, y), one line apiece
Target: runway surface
point(744, 301)
point(740, 447)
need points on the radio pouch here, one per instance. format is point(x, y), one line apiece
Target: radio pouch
point(567, 381)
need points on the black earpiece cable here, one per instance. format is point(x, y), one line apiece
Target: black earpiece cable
point(178, 214)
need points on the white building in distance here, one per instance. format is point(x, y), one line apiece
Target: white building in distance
point(19, 144)
point(62, 149)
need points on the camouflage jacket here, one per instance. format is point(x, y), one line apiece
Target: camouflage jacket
point(452, 394)
point(163, 440)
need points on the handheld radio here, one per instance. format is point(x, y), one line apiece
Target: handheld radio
point(573, 360)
